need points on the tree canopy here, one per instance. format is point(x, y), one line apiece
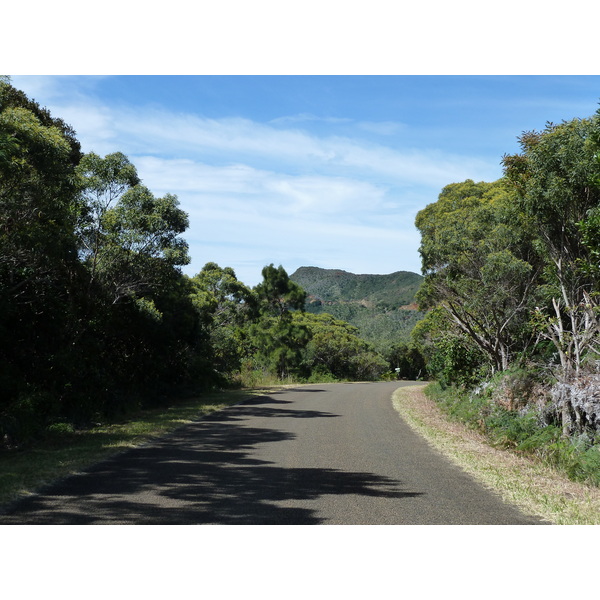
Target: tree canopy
point(511, 271)
point(479, 265)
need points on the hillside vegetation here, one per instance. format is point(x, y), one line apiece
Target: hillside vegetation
point(381, 307)
point(334, 285)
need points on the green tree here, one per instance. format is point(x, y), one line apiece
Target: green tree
point(336, 349)
point(480, 266)
point(225, 307)
point(138, 330)
point(105, 180)
point(128, 236)
point(39, 267)
point(279, 344)
point(556, 178)
point(451, 356)
point(277, 293)
point(409, 361)
point(279, 340)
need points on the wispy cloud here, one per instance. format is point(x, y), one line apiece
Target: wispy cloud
point(239, 140)
point(382, 127)
point(307, 118)
point(275, 192)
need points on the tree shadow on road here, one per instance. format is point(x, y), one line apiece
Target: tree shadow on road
point(204, 473)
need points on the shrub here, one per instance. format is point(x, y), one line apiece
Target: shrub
point(578, 457)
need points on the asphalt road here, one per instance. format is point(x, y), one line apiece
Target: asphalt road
point(320, 454)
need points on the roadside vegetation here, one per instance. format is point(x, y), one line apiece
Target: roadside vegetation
point(522, 432)
point(512, 289)
point(532, 484)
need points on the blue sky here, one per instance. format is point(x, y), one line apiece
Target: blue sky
point(324, 171)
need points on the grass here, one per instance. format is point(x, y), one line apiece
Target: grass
point(536, 488)
point(67, 451)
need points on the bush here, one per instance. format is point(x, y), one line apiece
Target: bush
point(510, 428)
point(58, 431)
point(471, 409)
point(25, 419)
point(523, 431)
point(321, 376)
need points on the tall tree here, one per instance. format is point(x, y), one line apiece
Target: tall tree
point(139, 322)
point(225, 307)
point(128, 236)
point(556, 178)
point(279, 340)
point(39, 269)
point(479, 266)
point(277, 293)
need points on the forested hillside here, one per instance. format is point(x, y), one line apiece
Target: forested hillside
point(333, 285)
point(382, 307)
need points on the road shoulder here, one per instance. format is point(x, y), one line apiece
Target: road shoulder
point(534, 488)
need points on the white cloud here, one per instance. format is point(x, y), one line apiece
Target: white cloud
point(244, 140)
point(159, 132)
point(280, 193)
point(258, 193)
point(307, 117)
point(382, 127)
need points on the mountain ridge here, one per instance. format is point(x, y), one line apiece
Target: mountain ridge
point(382, 307)
point(393, 290)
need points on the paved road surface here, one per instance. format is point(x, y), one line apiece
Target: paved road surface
point(320, 454)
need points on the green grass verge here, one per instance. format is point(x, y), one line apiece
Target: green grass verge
point(67, 451)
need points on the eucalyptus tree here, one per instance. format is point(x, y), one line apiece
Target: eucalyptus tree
point(556, 179)
point(39, 269)
point(225, 308)
point(278, 339)
point(128, 236)
point(480, 266)
point(139, 321)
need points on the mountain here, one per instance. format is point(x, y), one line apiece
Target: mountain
point(381, 306)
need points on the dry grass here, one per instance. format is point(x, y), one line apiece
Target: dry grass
point(534, 487)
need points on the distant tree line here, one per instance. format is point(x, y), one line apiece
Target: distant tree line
point(96, 316)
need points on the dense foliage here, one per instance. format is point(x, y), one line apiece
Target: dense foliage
point(512, 283)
